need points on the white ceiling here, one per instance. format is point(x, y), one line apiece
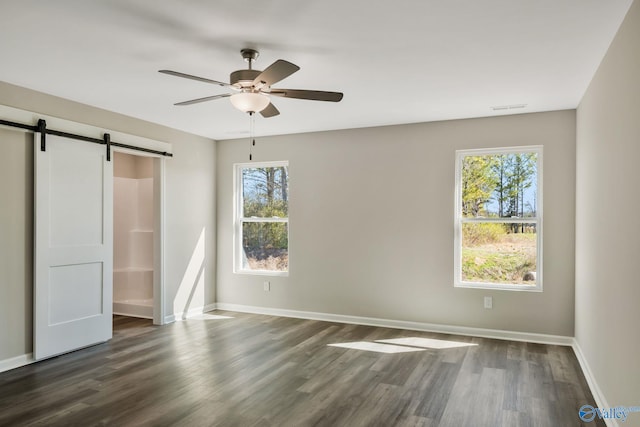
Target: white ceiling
point(402, 61)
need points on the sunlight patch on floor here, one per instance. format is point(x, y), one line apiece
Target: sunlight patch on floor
point(426, 342)
point(403, 345)
point(376, 347)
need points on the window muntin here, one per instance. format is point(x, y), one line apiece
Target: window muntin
point(262, 218)
point(498, 236)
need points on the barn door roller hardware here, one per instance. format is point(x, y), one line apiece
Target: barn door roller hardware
point(41, 128)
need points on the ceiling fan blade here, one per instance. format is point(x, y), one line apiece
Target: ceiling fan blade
point(275, 72)
point(206, 98)
point(269, 111)
point(200, 79)
point(314, 95)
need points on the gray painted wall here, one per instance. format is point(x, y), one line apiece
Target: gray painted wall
point(16, 243)
point(371, 224)
point(607, 234)
point(190, 212)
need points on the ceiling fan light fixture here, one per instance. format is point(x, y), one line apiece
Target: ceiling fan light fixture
point(250, 102)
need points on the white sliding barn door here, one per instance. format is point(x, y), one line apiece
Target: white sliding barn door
point(73, 260)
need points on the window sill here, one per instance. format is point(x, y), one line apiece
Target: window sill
point(262, 273)
point(489, 286)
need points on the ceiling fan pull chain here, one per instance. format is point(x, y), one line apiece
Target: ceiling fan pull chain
point(252, 139)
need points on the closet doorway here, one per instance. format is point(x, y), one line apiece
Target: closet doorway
point(137, 236)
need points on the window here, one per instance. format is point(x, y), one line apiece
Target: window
point(262, 218)
point(498, 231)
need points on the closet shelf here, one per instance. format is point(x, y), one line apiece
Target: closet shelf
point(132, 269)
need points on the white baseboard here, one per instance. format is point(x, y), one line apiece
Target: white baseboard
point(190, 313)
point(601, 401)
point(16, 362)
point(399, 324)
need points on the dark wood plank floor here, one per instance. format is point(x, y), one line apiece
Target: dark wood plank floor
point(252, 370)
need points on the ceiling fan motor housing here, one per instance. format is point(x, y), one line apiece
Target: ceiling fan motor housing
point(243, 78)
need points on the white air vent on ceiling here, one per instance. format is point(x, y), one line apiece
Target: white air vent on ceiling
point(508, 107)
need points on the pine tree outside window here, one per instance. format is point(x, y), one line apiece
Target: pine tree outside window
point(498, 228)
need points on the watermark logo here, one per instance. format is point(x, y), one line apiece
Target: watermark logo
point(588, 413)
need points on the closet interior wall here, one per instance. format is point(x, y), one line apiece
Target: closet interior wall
point(133, 235)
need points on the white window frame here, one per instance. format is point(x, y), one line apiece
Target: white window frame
point(239, 220)
point(459, 220)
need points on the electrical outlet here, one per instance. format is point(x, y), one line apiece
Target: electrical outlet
point(266, 286)
point(488, 302)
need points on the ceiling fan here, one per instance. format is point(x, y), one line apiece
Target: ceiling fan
point(251, 89)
